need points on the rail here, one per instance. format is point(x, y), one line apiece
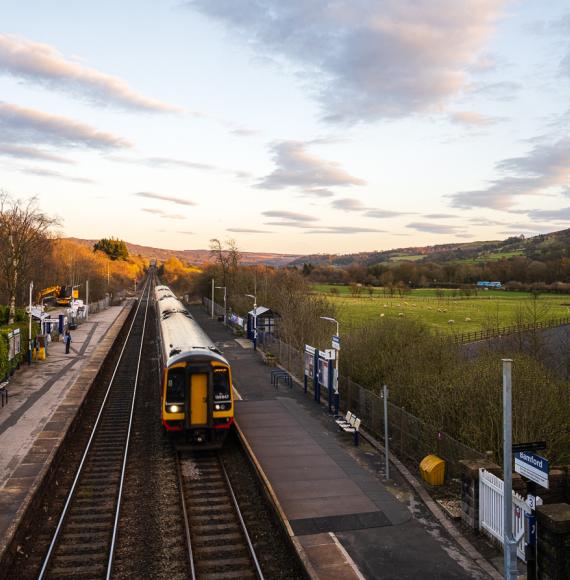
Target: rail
point(216, 534)
point(90, 514)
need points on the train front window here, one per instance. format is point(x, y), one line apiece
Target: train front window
point(221, 385)
point(175, 386)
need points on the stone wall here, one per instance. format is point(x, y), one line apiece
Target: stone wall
point(553, 547)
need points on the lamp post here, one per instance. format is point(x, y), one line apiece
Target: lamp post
point(225, 292)
point(30, 326)
point(336, 394)
point(254, 320)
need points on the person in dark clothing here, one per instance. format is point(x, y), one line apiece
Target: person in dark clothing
point(67, 341)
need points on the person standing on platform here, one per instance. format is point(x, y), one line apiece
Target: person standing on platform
point(67, 341)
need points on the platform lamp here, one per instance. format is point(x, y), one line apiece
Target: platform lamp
point(336, 393)
point(254, 320)
point(225, 291)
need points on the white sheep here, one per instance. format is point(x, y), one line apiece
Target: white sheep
point(467, 319)
point(382, 315)
point(451, 322)
point(400, 314)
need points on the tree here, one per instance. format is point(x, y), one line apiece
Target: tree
point(24, 234)
point(114, 248)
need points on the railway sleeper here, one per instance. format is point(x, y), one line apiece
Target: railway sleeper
point(209, 528)
point(96, 571)
point(216, 564)
point(83, 547)
point(214, 517)
point(228, 574)
point(205, 539)
point(239, 548)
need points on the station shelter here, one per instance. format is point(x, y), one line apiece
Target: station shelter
point(266, 320)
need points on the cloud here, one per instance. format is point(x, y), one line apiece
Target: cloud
point(161, 213)
point(369, 59)
point(343, 230)
point(348, 204)
point(471, 119)
point(498, 91)
point(19, 125)
point(545, 167)
point(562, 214)
point(290, 224)
point(41, 172)
point(433, 228)
point(383, 213)
point(437, 216)
point(185, 232)
point(297, 168)
point(243, 132)
point(247, 231)
point(172, 163)
point(289, 215)
point(317, 192)
point(43, 64)
point(161, 197)
point(20, 152)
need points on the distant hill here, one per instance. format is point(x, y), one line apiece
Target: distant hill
point(198, 257)
point(543, 247)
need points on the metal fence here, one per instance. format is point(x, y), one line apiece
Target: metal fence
point(100, 305)
point(410, 437)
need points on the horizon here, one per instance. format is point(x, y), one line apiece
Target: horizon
point(301, 129)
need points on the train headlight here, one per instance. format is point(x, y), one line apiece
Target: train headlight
point(173, 408)
point(222, 406)
point(217, 406)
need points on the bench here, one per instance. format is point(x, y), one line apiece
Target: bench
point(4, 392)
point(277, 375)
point(349, 424)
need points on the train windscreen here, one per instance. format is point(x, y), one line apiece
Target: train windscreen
point(175, 386)
point(221, 385)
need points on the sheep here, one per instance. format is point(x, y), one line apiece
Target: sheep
point(400, 314)
point(451, 322)
point(467, 319)
point(382, 315)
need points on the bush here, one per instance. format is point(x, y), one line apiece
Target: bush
point(6, 366)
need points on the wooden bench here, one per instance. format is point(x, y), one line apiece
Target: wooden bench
point(4, 392)
point(349, 424)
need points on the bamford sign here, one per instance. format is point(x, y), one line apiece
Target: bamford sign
point(532, 466)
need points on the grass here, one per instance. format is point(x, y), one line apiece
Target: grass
point(489, 309)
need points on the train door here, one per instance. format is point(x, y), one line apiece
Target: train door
point(198, 399)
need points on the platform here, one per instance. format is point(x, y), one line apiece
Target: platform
point(347, 522)
point(43, 401)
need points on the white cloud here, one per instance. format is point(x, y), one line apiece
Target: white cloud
point(544, 168)
point(21, 152)
point(42, 63)
point(471, 119)
point(370, 58)
point(162, 197)
point(348, 204)
point(289, 215)
point(19, 125)
point(433, 228)
point(298, 168)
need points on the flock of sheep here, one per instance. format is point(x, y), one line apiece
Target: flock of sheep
point(450, 321)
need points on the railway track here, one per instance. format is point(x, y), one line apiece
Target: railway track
point(219, 546)
point(84, 541)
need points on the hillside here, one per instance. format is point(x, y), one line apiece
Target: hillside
point(197, 257)
point(543, 247)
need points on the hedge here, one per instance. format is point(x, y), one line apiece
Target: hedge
point(7, 367)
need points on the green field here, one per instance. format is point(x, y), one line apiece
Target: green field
point(489, 309)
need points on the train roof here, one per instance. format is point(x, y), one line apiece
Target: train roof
point(183, 338)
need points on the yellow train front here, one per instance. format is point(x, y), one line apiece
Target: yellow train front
point(197, 395)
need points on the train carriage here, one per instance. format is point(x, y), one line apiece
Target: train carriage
point(197, 395)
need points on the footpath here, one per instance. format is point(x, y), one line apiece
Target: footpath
point(348, 521)
point(43, 400)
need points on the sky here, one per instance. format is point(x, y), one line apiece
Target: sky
point(306, 126)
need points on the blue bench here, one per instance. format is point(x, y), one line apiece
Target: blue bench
point(277, 375)
point(4, 392)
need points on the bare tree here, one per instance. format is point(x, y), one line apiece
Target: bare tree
point(221, 257)
point(24, 233)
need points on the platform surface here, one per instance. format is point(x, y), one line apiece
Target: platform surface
point(349, 524)
point(43, 399)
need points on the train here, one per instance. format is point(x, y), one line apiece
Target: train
point(196, 380)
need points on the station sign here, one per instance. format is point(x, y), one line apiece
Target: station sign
point(533, 467)
point(336, 342)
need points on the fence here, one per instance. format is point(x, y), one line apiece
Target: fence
point(491, 510)
point(409, 436)
point(218, 310)
point(100, 305)
point(496, 332)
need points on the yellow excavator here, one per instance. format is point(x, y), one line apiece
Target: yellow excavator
point(61, 295)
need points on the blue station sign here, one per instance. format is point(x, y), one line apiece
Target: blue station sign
point(533, 467)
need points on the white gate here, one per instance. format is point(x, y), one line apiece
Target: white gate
point(491, 510)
